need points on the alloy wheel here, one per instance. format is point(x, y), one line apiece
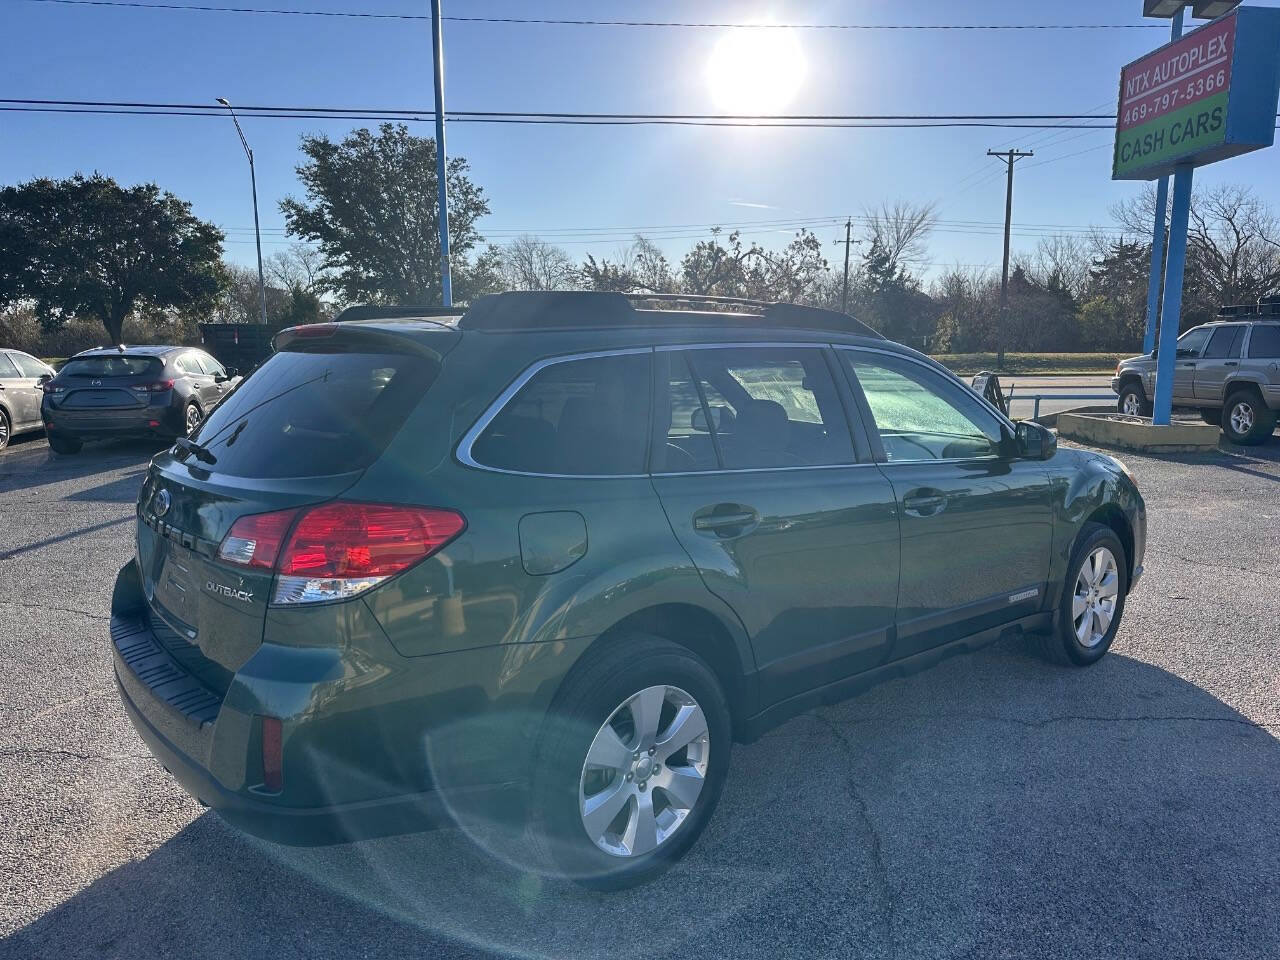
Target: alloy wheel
point(4, 431)
point(1093, 606)
point(1242, 417)
point(644, 771)
point(1131, 405)
point(193, 419)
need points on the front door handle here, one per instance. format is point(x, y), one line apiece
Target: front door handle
point(924, 503)
point(1231, 363)
point(725, 519)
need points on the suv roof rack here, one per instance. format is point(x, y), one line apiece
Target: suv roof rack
point(532, 310)
point(369, 311)
point(1265, 308)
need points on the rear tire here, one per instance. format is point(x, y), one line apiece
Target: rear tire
point(1246, 419)
point(602, 751)
point(192, 418)
point(64, 445)
point(1092, 601)
point(1133, 402)
point(4, 429)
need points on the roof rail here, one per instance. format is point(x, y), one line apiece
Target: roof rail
point(585, 308)
point(369, 311)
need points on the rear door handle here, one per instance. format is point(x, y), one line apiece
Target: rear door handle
point(924, 503)
point(1230, 363)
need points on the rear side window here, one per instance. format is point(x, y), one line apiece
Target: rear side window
point(1265, 340)
point(112, 366)
point(7, 369)
point(188, 363)
point(762, 407)
point(585, 417)
point(311, 413)
point(1225, 342)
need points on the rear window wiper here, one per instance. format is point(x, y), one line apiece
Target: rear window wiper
point(190, 446)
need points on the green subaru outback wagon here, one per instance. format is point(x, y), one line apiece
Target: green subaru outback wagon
point(546, 561)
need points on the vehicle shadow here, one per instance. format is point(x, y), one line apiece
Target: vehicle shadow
point(33, 465)
point(992, 806)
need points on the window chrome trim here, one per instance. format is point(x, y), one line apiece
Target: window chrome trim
point(469, 438)
point(935, 368)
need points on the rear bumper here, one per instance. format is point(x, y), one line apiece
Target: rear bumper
point(307, 826)
point(368, 748)
point(137, 422)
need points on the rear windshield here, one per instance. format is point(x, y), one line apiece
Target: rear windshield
point(310, 413)
point(111, 366)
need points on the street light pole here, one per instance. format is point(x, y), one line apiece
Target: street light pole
point(257, 233)
point(442, 214)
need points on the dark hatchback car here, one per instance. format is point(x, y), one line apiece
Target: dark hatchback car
point(152, 391)
point(546, 562)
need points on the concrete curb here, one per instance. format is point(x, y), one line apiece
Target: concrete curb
point(1137, 433)
point(1051, 419)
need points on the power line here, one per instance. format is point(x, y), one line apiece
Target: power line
point(549, 21)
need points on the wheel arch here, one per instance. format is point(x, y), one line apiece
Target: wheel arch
point(702, 632)
point(1242, 382)
point(1131, 378)
point(1110, 515)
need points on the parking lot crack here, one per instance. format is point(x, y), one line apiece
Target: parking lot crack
point(45, 608)
point(31, 752)
point(879, 871)
point(1218, 565)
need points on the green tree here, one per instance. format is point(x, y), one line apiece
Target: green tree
point(86, 246)
point(371, 209)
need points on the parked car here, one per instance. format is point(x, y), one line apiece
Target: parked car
point(151, 391)
point(20, 377)
point(547, 561)
point(1228, 370)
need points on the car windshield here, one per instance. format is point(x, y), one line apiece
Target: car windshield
point(123, 365)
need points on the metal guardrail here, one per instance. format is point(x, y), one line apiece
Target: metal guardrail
point(1037, 397)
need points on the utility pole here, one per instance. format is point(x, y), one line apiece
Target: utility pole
point(848, 242)
point(1010, 157)
point(437, 53)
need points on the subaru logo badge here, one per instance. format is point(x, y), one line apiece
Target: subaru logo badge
point(162, 502)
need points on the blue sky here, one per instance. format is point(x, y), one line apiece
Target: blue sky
point(550, 180)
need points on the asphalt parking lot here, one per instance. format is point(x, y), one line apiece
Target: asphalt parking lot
point(995, 806)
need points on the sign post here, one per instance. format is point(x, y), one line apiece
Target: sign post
point(1205, 97)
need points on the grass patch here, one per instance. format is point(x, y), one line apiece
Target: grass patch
point(967, 364)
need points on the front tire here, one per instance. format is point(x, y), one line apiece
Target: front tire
point(631, 763)
point(4, 429)
point(64, 445)
point(1246, 419)
point(1133, 402)
point(1092, 601)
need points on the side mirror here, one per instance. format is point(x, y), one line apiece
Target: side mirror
point(43, 379)
point(1184, 352)
point(1035, 442)
point(698, 419)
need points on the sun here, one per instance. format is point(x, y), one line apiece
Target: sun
point(756, 69)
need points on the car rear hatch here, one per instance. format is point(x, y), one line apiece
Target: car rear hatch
point(109, 382)
point(300, 430)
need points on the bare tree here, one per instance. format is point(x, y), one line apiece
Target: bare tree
point(901, 230)
point(1232, 239)
point(1065, 257)
point(296, 268)
point(530, 263)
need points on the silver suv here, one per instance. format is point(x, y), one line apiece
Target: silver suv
point(21, 376)
point(1229, 370)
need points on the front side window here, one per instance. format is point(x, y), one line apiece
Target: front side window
point(1192, 342)
point(210, 365)
point(28, 366)
point(753, 408)
point(584, 417)
point(920, 415)
point(1264, 342)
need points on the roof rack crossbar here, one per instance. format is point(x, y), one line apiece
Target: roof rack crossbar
point(369, 311)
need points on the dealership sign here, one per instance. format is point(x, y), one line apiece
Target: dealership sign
point(1205, 97)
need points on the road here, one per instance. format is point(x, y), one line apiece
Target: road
point(995, 806)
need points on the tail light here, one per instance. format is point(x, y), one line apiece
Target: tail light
point(159, 386)
point(52, 388)
point(337, 550)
